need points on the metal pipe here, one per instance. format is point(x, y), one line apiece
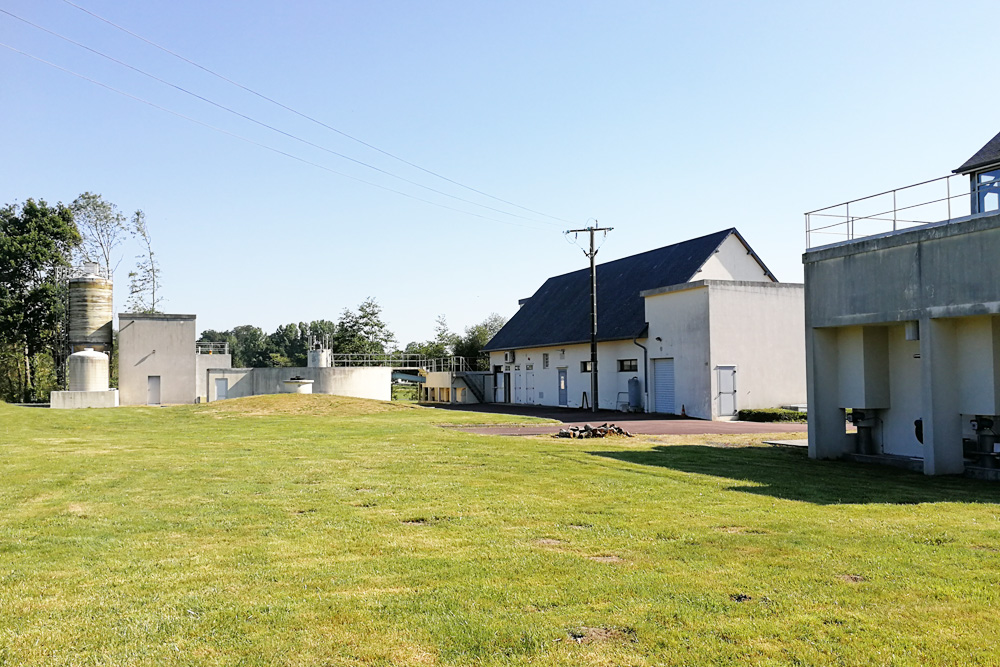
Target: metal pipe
point(645, 373)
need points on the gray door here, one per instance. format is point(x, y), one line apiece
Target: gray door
point(221, 388)
point(563, 389)
point(519, 387)
point(663, 385)
point(153, 390)
point(529, 387)
point(727, 391)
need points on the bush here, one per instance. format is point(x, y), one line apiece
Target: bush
point(771, 415)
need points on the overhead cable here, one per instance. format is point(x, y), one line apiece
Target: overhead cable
point(306, 116)
point(257, 143)
point(263, 124)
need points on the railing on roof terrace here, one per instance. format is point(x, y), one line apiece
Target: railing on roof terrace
point(403, 360)
point(937, 200)
point(211, 348)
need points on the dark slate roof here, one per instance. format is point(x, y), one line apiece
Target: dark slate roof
point(984, 157)
point(559, 312)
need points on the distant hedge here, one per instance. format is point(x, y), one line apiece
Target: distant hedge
point(771, 415)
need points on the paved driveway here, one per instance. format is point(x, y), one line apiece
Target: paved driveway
point(643, 424)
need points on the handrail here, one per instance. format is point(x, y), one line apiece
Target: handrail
point(847, 224)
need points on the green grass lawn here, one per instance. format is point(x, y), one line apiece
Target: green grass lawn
point(310, 530)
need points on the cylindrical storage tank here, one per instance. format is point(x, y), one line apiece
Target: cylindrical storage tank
point(634, 395)
point(88, 370)
point(298, 385)
point(90, 312)
point(318, 359)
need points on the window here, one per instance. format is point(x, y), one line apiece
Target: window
point(517, 368)
point(545, 359)
point(987, 189)
point(562, 354)
point(584, 366)
point(628, 365)
point(529, 367)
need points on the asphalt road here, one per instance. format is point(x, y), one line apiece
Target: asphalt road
point(642, 424)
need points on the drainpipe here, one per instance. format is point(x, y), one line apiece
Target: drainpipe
point(645, 373)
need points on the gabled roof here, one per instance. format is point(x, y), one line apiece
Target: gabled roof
point(559, 312)
point(984, 157)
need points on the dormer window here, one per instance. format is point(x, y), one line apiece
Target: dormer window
point(987, 191)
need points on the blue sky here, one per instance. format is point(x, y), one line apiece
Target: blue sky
point(664, 120)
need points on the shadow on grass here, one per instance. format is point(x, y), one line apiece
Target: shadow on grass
point(789, 474)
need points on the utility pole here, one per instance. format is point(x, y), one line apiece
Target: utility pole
point(592, 253)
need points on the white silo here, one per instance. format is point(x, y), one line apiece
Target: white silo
point(88, 370)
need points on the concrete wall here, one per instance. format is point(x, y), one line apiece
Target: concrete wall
point(202, 363)
point(859, 297)
point(75, 400)
point(732, 261)
point(545, 381)
point(759, 328)
point(156, 345)
point(373, 383)
point(679, 316)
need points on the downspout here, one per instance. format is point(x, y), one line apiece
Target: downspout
point(645, 373)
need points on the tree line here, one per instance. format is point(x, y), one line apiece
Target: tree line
point(39, 243)
point(356, 331)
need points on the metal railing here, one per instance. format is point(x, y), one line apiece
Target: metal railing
point(211, 348)
point(403, 360)
point(937, 200)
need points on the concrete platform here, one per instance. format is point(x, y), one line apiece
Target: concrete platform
point(77, 400)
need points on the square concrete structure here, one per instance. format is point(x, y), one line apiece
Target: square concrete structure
point(905, 327)
point(700, 328)
point(158, 360)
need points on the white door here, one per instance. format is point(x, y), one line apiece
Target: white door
point(499, 394)
point(518, 387)
point(727, 391)
point(663, 386)
point(153, 390)
point(529, 387)
point(221, 388)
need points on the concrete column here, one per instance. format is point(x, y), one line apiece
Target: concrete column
point(827, 433)
point(940, 410)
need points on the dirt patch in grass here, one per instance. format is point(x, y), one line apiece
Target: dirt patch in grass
point(741, 530)
point(852, 578)
point(607, 558)
point(548, 542)
point(585, 635)
point(303, 404)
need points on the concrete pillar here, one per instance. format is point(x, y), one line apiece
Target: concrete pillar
point(827, 433)
point(940, 410)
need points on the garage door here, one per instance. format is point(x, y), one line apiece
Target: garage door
point(663, 379)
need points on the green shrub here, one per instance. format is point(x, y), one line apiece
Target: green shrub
point(771, 415)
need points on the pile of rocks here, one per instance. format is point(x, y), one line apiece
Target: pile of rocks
point(588, 431)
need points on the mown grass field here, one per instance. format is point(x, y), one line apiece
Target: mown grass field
point(309, 530)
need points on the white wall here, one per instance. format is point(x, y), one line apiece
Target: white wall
point(373, 383)
point(545, 381)
point(759, 328)
point(202, 363)
point(160, 345)
point(680, 319)
point(732, 261)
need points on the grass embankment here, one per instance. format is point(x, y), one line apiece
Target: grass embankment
point(300, 530)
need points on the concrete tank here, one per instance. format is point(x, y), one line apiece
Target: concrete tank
point(88, 370)
point(319, 358)
point(90, 311)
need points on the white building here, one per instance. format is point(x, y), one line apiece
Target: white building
point(903, 329)
point(701, 328)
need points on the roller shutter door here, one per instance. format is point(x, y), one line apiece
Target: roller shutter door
point(663, 379)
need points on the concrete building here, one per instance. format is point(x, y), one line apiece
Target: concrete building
point(700, 328)
point(159, 361)
point(903, 330)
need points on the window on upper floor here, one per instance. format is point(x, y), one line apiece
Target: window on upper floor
point(584, 366)
point(988, 191)
point(545, 359)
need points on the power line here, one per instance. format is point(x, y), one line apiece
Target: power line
point(306, 116)
point(263, 124)
point(256, 143)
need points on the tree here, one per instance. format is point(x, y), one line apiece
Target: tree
point(36, 241)
point(144, 281)
point(471, 344)
point(443, 344)
point(102, 229)
point(363, 332)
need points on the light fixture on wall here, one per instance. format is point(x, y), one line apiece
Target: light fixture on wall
point(658, 339)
